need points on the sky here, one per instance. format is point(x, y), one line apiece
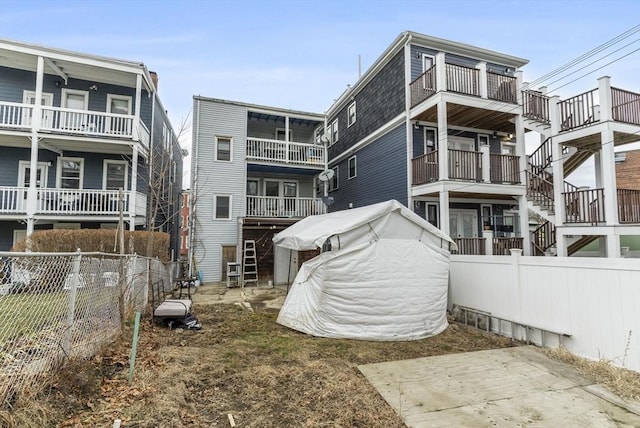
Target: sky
point(301, 54)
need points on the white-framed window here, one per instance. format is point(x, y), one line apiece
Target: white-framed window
point(70, 173)
point(507, 148)
point(222, 207)
point(433, 214)
point(223, 148)
point(351, 114)
point(29, 97)
point(430, 139)
point(118, 104)
point(487, 216)
point(75, 100)
point(333, 129)
point(351, 167)
point(334, 182)
point(483, 140)
point(428, 81)
point(427, 62)
point(281, 134)
point(114, 174)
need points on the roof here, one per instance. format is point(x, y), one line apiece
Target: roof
point(264, 109)
point(311, 232)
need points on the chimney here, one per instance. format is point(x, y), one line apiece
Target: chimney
point(154, 79)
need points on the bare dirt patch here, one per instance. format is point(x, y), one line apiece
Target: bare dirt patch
point(241, 363)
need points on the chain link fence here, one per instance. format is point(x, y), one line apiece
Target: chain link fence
point(55, 307)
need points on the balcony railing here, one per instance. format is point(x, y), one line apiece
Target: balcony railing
point(625, 106)
point(285, 152)
point(584, 205)
point(15, 115)
point(470, 246)
point(13, 200)
point(504, 168)
point(629, 206)
point(502, 246)
point(464, 80)
point(425, 168)
point(579, 111)
point(275, 206)
point(535, 106)
point(465, 165)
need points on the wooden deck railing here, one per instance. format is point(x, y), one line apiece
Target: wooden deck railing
point(543, 238)
point(578, 111)
point(504, 168)
point(424, 168)
point(465, 165)
point(463, 80)
point(423, 87)
point(501, 88)
point(540, 159)
point(625, 106)
point(501, 246)
point(470, 246)
point(286, 152)
point(535, 106)
point(629, 206)
point(584, 206)
point(540, 189)
point(274, 206)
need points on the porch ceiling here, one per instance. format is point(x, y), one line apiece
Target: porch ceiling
point(89, 146)
point(470, 195)
point(293, 121)
point(592, 142)
point(472, 117)
point(287, 170)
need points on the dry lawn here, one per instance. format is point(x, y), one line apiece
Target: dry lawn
point(241, 363)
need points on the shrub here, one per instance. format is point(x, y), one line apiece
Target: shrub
point(90, 240)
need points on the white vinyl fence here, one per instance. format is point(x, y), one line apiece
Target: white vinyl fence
point(594, 300)
point(55, 307)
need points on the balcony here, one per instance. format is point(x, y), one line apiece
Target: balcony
point(282, 207)
point(71, 202)
point(468, 166)
point(499, 246)
point(74, 122)
point(463, 80)
point(285, 152)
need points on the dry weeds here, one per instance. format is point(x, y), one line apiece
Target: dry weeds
point(241, 363)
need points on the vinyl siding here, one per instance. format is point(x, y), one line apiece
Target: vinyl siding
point(381, 173)
point(305, 183)
point(215, 177)
point(416, 59)
point(382, 99)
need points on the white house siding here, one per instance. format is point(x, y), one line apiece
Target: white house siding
point(213, 177)
point(593, 300)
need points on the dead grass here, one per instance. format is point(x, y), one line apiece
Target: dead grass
point(241, 363)
point(623, 382)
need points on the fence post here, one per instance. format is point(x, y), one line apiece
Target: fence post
point(73, 292)
point(516, 253)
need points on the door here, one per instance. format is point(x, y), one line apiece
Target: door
point(29, 97)
point(24, 178)
point(75, 100)
point(290, 191)
point(272, 193)
point(118, 104)
point(463, 223)
point(228, 256)
point(464, 162)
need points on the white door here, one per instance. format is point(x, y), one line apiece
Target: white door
point(74, 100)
point(118, 104)
point(463, 223)
point(29, 97)
point(24, 177)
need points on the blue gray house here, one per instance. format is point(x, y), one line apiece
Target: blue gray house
point(74, 129)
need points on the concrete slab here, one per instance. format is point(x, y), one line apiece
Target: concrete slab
point(513, 387)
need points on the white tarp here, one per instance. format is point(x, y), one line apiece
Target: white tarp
point(385, 277)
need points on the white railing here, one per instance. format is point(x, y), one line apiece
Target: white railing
point(273, 206)
point(15, 115)
point(288, 152)
point(13, 200)
point(87, 122)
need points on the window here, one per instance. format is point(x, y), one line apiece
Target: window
point(222, 207)
point(507, 148)
point(432, 214)
point(118, 104)
point(115, 175)
point(483, 140)
point(351, 114)
point(352, 167)
point(223, 148)
point(75, 100)
point(430, 139)
point(70, 172)
point(333, 183)
point(281, 133)
point(334, 131)
point(252, 187)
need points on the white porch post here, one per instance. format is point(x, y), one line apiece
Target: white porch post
point(134, 189)
point(136, 120)
point(444, 212)
point(36, 121)
point(441, 70)
point(486, 164)
point(558, 176)
point(443, 142)
point(523, 214)
point(607, 158)
point(482, 66)
point(286, 138)
point(488, 242)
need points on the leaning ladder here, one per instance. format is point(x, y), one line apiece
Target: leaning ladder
point(249, 263)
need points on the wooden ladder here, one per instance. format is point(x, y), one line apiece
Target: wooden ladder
point(249, 263)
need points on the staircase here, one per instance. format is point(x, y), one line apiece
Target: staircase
point(540, 187)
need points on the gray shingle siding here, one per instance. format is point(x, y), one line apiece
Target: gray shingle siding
point(416, 59)
point(381, 173)
point(418, 140)
point(382, 99)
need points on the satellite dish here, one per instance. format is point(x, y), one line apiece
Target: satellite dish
point(323, 141)
point(328, 200)
point(326, 175)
